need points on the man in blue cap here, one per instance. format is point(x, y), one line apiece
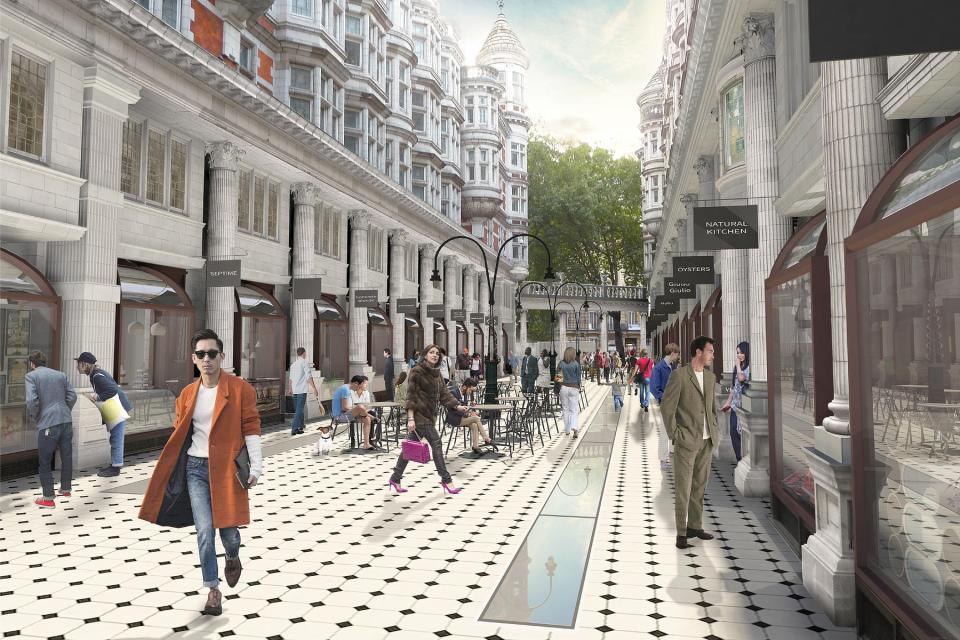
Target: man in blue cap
point(105, 387)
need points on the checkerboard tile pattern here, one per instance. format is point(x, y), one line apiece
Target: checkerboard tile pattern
point(332, 555)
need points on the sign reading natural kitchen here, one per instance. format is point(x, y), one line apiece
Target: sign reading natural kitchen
point(677, 288)
point(694, 269)
point(720, 228)
point(223, 273)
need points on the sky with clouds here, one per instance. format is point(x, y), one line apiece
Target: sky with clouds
point(589, 59)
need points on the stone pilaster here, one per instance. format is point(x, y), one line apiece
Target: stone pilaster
point(859, 146)
point(604, 337)
point(398, 249)
point(562, 333)
point(359, 227)
point(84, 272)
point(224, 161)
point(451, 270)
point(426, 291)
point(305, 199)
point(524, 342)
point(470, 286)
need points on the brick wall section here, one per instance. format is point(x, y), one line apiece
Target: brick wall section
point(207, 29)
point(267, 24)
point(266, 67)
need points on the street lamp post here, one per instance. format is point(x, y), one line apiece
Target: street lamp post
point(492, 359)
point(576, 328)
point(586, 308)
point(553, 293)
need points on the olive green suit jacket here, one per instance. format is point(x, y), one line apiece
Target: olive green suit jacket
point(683, 408)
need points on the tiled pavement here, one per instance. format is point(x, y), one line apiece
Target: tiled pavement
point(331, 555)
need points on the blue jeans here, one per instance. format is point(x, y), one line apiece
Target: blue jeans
point(299, 403)
point(198, 486)
point(617, 402)
point(735, 434)
point(116, 444)
point(644, 386)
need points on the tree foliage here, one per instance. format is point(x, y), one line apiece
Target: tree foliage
point(586, 205)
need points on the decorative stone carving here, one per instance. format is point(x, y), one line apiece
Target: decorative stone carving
point(359, 219)
point(305, 193)
point(704, 168)
point(399, 236)
point(224, 155)
point(757, 39)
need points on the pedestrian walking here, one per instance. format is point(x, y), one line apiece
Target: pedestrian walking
point(50, 398)
point(510, 365)
point(301, 381)
point(476, 366)
point(388, 374)
point(105, 388)
point(425, 393)
point(445, 362)
point(689, 410)
point(741, 380)
point(617, 393)
point(658, 383)
point(400, 390)
point(570, 372)
point(543, 368)
point(208, 465)
point(641, 373)
point(529, 370)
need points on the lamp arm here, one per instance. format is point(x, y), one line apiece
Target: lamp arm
point(483, 253)
point(503, 246)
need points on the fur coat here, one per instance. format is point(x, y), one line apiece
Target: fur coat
point(426, 391)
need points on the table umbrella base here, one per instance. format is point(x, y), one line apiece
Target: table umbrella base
point(487, 451)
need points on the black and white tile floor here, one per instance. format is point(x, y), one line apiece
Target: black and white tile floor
point(331, 555)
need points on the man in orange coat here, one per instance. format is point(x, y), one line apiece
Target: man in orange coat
point(197, 479)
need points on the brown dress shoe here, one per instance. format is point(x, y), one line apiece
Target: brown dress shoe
point(213, 607)
point(682, 542)
point(232, 571)
point(699, 533)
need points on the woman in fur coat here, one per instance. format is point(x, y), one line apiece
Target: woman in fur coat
point(425, 392)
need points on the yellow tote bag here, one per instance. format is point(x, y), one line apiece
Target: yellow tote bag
point(112, 412)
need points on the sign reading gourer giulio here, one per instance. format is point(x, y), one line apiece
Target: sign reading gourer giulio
point(223, 273)
point(407, 305)
point(676, 288)
point(477, 318)
point(435, 311)
point(694, 269)
point(720, 228)
point(365, 298)
point(458, 315)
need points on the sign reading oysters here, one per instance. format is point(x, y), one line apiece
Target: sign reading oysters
point(694, 269)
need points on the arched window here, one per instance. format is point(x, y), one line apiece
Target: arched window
point(379, 337)
point(903, 305)
point(29, 320)
point(260, 336)
point(330, 339)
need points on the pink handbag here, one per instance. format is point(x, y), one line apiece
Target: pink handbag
point(416, 450)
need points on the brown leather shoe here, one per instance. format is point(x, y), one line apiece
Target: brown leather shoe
point(699, 533)
point(682, 542)
point(232, 571)
point(213, 607)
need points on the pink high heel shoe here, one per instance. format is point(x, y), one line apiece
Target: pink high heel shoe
point(451, 490)
point(395, 486)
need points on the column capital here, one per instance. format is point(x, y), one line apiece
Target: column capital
point(704, 168)
point(224, 155)
point(756, 41)
point(687, 199)
point(359, 219)
point(427, 248)
point(399, 236)
point(470, 270)
point(305, 193)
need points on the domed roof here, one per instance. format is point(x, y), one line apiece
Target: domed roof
point(502, 44)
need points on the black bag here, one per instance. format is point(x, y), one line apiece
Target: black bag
point(242, 461)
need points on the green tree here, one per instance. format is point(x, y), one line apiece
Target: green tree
point(586, 204)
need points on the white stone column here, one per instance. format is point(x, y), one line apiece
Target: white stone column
point(760, 122)
point(859, 146)
point(305, 198)
point(562, 335)
point(359, 226)
point(603, 331)
point(426, 291)
point(470, 286)
point(451, 271)
point(524, 342)
point(398, 249)
point(84, 271)
point(221, 239)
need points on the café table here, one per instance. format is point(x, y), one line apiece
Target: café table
point(943, 421)
point(492, 414)
point(376, 436)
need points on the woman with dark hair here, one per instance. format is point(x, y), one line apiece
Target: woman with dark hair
point(425, 393)
point(400, 390)
point(741, 381)
point(476, 366)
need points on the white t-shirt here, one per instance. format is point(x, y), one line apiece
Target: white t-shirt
point(706, 431)
point(445, 367)
point(202, 422)
point(360, 398)
point(300, 375)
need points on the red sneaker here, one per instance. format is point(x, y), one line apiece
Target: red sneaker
point(43, 503)
point(63, 494)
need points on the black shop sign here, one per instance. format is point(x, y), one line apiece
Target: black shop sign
point(477, 318)
point(677, 288)
point(458, 315)
point(435, 311)
point(720, 228)
point(666, 305)
point(365, 298)
point(694, 269)
point(407, 306)
point(223, 273)
point(307, 288)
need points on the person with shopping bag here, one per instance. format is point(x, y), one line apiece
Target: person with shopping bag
point(425, 393)
point(114, 407)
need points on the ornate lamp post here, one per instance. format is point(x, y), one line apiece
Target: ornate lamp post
point(492, 359)
point(576, 320)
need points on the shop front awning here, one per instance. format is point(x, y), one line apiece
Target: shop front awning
point(145, 286)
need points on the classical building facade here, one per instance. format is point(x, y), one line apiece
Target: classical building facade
point(307, 139)
point(848, 304)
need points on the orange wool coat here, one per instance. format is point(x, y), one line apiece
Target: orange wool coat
point(235, 415)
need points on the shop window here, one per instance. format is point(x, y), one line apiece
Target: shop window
point(28, 101)
point(153, 166)
point(905, 385)
point(29, 320)
point(413, 335)
point(154, 325)
point(734, 145)
point(379, 336)
point(260, 346)
point(330, 340)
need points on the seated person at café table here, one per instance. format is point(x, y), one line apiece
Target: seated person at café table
point(472, 420)
point(360, 397)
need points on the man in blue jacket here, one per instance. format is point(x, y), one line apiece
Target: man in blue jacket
point(661, 372)
point(104, 388)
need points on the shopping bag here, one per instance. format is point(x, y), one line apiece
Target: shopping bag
point(112, 412)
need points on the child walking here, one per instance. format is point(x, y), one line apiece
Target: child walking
point(617, 396)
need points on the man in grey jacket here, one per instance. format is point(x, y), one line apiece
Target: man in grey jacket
point(50, 399)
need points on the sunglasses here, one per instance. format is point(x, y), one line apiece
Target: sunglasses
point(213, 353)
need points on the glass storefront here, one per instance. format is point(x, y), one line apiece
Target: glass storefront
point(260, 341)
point(733, 140)
point(379, 337)
point(29, 320)
point(154, 325)
point(440, 333)
point(330, 340)
point(413, 336)
point(904, 278)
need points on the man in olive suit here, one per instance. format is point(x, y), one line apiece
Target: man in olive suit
point(689, 412)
